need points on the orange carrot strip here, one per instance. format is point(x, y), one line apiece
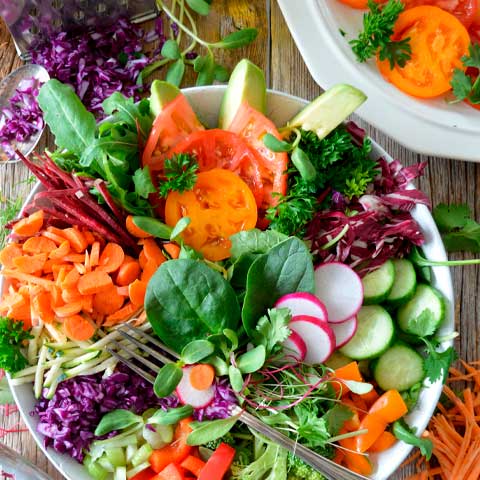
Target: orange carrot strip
point(172, 249)
point(94, 254)
point(38, 245)
point(383, 442)
point(123, 291)
point(80, 267)
point(71, 279)
point(74, 258)
point(94, 282)
point(136, 292)
point(9, 253)
point(71, 295)
point(128, 273)
point(87, 303)
point(148, 271)
point(134, 230)
point(29, 226)
point(30, 263)
point(89, 236)
point(78, 328)
point(53, 236)
point(153, 252)
point(111, 258)
point(123, 314)
point(24, 277)
point(69, 309)
point(56, 295)
point(76, 238)
point(108, 302)
point(142, 259)
point(61, 251)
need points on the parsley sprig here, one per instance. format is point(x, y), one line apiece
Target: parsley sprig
point(180, 173)
point(464, 86)
point(12, 335)
point(378, 25)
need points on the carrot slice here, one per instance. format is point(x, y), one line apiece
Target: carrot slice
point(53, 236)
point(30, 263)
point(56, 296)
point(172, 249)
point(9, 253)
point(375, 426)
point(383, 442)
point(69, 309)
point(136, 292)
point(111, 258)
point(122, 291)
point(128, 273)
point(87, 303)
point(390, 406)
point(89, 236)
point(38, 245)
point(193, 464)
point(74, 258)
point(108, 302)
point(202, 376)
point(71, 295)
point(76, 238)
point(94, 282)
point(153, 252)
point(61, 251)
point(78, 328)
point(134, 230)
point(123, 314)
point(148, 271)
point(71, 279)
point(29, 226)
point(142, 259)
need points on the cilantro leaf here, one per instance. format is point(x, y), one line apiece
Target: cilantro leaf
point(450, 217)
point(407, 434)
point(437, 363)
point(422, 325)
point(461, 84)
point(473, 57)
point(143, 182)
point(336, 417)
point(272, 329)
point(12, 335)
point(466, 86)
point(180, 173)
point(378, 26)
point(311, 428)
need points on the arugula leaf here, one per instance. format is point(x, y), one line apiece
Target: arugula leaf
point(272, 329)
point(378, 26)
point(143, 182)
point(465, 86)
point(407, 434)
point(459, 231)
point(12, 335)
point(180, 172)
point(437, 363)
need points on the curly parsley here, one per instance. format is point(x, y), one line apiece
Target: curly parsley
point(180, 174)
point(466, 87)
point(378, 26)
point(12, 335)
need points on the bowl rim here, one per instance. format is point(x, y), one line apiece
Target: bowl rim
point(442, 274)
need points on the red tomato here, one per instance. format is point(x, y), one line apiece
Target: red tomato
point(221, 149)
point(474, 32)
point(464, 10)
point(175, 122)
point(252, 126)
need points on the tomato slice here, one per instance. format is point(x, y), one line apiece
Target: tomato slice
point(219, 205)
point(221, 149)
point(464, 10)
point(252, 126)
point(175, 122)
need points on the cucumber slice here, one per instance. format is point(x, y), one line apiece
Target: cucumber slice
point(423, 313)
point(374, 334)
point(378, 284)
point(116, 456)
point(404, 284)
point(142, 455)
point(399, 368)
point(337, 360)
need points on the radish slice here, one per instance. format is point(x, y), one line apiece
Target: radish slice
point(294, 348)
point(303, 303)
point(340, 289)
point(344, 331)
point(188, 395)
point(317, 335)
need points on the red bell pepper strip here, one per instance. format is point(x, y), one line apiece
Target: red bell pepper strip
point(218, 464)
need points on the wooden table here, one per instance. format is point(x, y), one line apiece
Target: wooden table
point(445, 180)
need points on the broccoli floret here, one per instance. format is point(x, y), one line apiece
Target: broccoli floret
point(227, 438)
point(299, 470)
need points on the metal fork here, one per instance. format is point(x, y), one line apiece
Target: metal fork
point(151, 346)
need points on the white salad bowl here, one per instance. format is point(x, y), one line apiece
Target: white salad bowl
point(430, 126)
point(282, 107)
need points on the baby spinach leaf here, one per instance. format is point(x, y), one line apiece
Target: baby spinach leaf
point(186, 300)
point(68, 119)
point(117, 420)
point(254, 241)
point(286, 268)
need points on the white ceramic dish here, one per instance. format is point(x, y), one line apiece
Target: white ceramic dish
point(428, 126)
point(282, 107)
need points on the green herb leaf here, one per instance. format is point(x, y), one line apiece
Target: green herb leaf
point(221, 73)
point(461, 84)
point(397, 53)
point(272, 329)
point(466, 87)
point(236, 378)
point(171, 416)
point(168, 378)
point(117, 420)
point(180, 173)
point(311, 428)
point(254, 241)
point(12, 335)
point(220, 366)
point(252, 360)
point(176, 72)
point(407, 434)
point(232, 337)
point(68, 119)
point(451, 217)
point(181, 225)
point(276, 145)
point(153, 226)
point(237, 39)
point(199, 6)
point(473, 57)
point(336, 417)
point(207, 431)
point(359, 388)
point(438, 363)
point(303, 164)
point(143, 182)
point(6, 397)
point(423, 324)
point(171, 50)
point(206, 74)
point(196, 351)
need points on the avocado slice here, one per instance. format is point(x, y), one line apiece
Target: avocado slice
point(328, 110)
point(161, 94)
point(247, 83)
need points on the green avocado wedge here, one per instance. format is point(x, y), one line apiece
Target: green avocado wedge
point(328, 110)
point(247, 84)
point(161, 94)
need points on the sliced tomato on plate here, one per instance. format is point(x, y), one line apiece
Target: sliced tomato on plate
point(175, 122)
point(464, 10)
point(252, 126)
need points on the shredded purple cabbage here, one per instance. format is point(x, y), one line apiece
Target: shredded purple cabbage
point(222, 405)
point(69, 419)
point(96, 63)
point(22, 118)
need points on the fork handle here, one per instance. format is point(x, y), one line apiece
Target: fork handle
point(327, 467)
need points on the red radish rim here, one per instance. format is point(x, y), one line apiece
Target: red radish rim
point(299, 342)
point(305, 296)
point(357, 309)
point(309, 318)
point(332, 326)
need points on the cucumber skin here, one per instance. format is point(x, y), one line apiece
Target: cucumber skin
point(398, 302)
point(404, 326)
point(390, 383)
point(376, 299)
